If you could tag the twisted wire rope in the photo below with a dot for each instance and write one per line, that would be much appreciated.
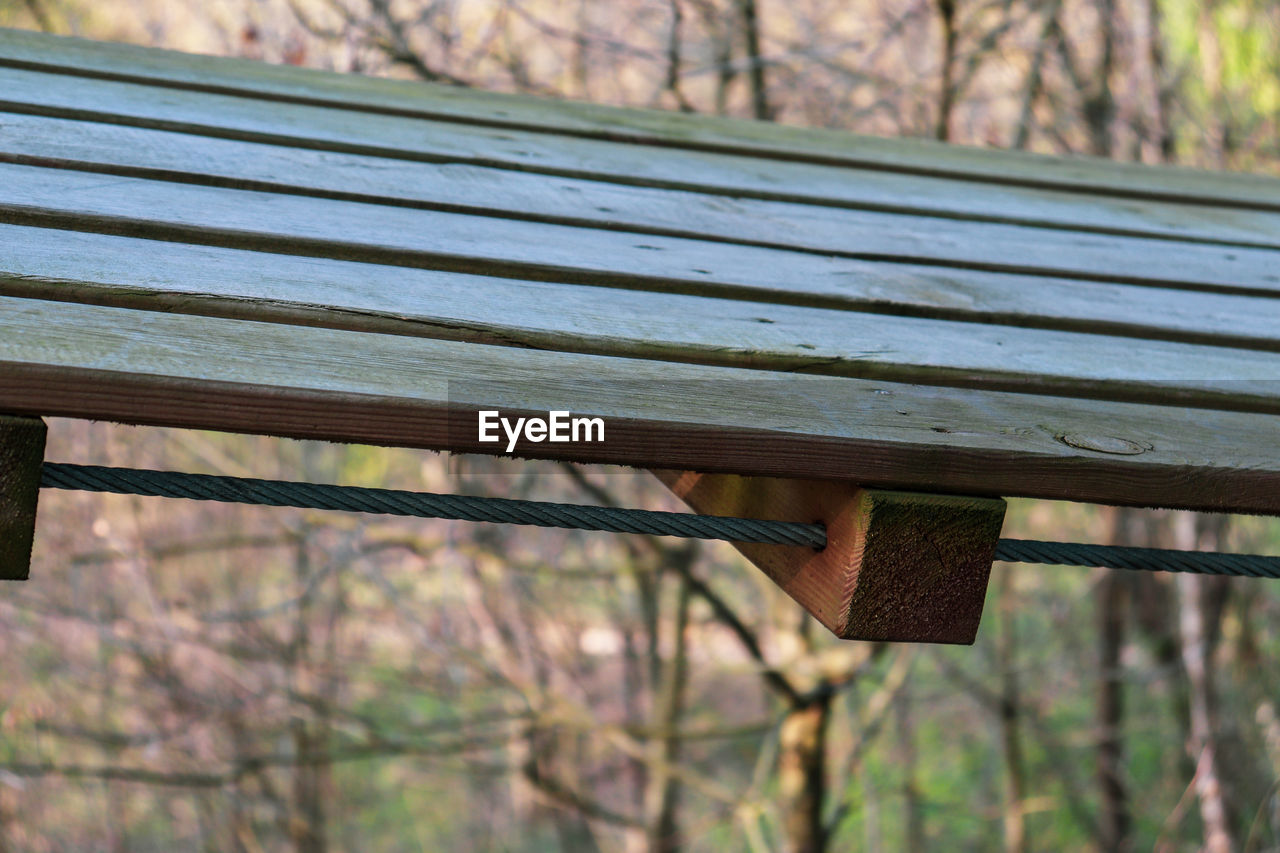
(173, 484)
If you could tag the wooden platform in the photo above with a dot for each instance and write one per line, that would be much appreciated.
(198, 242)
(212, 243)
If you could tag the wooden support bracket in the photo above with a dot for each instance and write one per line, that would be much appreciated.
(21, 457)
(898, 566)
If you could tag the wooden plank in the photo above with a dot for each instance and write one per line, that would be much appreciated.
(898, 567)
(210, 281)
(366, 95)
(110, 105)
(481, 244)
(589, 204)
(109, 262)
(63, 359)
(21, 457)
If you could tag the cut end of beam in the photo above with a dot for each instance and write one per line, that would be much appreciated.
(21, 456)
(898, 566)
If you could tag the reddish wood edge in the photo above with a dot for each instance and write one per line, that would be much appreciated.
(898, 566)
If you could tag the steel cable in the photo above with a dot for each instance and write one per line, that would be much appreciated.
(205, 487)
(173, 484)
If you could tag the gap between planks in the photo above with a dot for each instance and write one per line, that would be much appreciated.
(50, 96)
(416, 237)
(60, 55)
(895, 238)
(217, 282)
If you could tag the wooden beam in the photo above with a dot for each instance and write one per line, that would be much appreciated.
(59, 359)
(21, 456)
(898, 566)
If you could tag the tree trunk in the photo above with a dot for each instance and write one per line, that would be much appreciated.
(1100, 105)
(1217, 135)
(1154, 605)
(1112, 593)
(1202, 743)
(308, 825)
(759, 97)
(1162, 119)
(802, 774)
(913, 813)
(947, 95)
(1015, 836)
(310, 741)
(662, 798)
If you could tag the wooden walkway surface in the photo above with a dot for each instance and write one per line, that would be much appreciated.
(200, 242)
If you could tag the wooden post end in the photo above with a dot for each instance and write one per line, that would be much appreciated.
(898, 566)
(21, 457)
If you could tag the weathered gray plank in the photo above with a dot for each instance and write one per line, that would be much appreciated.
(106, 270)
(468, 243)
(178, 370)
(355, 93)
(185, 158)
(295, 127)
(722, 174)
(36, 256)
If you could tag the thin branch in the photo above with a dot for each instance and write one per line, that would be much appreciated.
(1052, 748)
(612, 44)
(396, 45)
(1035, 78)
(117, 774)
(562, 795)
(719, 607)
(246, 765)
(41, 17)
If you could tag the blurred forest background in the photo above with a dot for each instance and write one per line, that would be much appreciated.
(182, 676)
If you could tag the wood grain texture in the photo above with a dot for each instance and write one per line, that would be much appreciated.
(531, 249)
(898, 566)
(640, 210)
(116, 108)
(104, 270)
(184, 371)
(35, 256)
(367, 96)
(21, 457)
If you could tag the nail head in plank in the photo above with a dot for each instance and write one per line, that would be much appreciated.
(21, 457)
(898, 566)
